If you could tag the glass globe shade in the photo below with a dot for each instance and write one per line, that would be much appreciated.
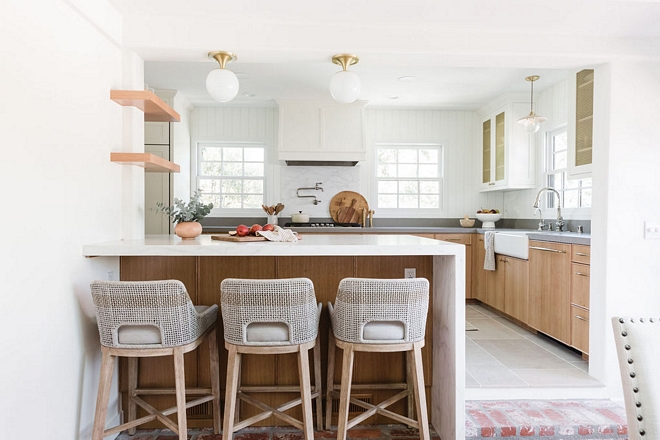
(222, 85)
(345, 86)
(532, 123)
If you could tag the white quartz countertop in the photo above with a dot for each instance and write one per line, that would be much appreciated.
(308, 245)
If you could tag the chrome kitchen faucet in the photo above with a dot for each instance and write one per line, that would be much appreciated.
(560, 219)
(316, 188)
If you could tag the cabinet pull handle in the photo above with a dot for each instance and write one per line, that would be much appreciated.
(451, 239)
(547, 249)
(580, 307)
(582, 254)
(582, 274)
(581, 318)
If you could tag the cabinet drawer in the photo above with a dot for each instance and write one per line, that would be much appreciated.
(455, 238)
(580, 284)
(580, 329)
(581, 253)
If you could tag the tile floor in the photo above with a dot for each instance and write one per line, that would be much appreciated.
(500, 354)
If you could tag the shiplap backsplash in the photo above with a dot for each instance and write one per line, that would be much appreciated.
(457, 131)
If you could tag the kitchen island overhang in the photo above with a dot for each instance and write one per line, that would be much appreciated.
(447, 273)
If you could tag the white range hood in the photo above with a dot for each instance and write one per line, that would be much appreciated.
(326, 133)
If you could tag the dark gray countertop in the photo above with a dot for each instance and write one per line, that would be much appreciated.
(558, 237)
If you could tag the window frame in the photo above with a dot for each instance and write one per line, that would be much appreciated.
(218, 211)
(415, 212)
(548, 203)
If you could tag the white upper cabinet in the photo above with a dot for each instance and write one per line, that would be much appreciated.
(580, 124)
(321, 131)
(508, 159)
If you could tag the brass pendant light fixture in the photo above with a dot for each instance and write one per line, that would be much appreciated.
(532, 122)
(222, 84)
(345, 85)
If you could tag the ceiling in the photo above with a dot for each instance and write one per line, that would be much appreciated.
(461, 54)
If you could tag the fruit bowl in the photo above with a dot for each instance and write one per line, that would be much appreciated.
(489, 220)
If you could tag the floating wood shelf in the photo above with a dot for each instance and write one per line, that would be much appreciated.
(154, 108)
(150, 162)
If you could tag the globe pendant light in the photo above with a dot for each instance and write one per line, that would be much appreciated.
(221, 83)
(344, 85)
(532, 122)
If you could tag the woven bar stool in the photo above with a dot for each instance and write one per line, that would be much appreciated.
(271, 317)
(146, 319)
(378, 315)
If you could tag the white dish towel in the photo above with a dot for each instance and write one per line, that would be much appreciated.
(279, 234)
(489, 244)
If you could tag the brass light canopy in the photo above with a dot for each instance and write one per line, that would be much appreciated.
(222, 84)
(532, 122)
(222, 57)
(345, 60)
(345, 85)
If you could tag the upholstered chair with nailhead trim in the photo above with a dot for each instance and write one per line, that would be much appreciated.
(637, 345)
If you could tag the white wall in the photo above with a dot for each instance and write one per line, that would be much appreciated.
(59, 191)
(625, 266)
(457, 131)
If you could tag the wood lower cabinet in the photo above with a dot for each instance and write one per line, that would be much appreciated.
(550, 289)
(465, 239)
(516, 288)
(481, 278)
(580, 288)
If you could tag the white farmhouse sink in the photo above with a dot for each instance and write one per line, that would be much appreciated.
(512, 243)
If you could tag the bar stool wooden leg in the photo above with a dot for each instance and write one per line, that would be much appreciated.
(180, 385)
(305, 393)
(420, 393)
(410, 384)
(330, 384)
(233, 369)
(132, 385)
(214, 361)
(345, 392)
(105, 381)
(317, 384)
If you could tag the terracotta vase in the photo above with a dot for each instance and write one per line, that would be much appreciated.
(188, 230)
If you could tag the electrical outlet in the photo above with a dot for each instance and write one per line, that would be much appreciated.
(409, 272)
(651, 230)
(111, 275)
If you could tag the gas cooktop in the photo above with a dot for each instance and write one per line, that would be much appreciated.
(322, 225)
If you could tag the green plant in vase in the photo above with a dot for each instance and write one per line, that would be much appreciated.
(186, 216)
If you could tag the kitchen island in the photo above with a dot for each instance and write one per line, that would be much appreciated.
(201, 264)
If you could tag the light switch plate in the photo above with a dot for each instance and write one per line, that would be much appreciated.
(409, 273)
(652, 230)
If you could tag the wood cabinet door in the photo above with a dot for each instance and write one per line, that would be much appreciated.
(580, 284)
(516, 284)
(549, 289)
(580, 329)
(495, 283)
(479, 285)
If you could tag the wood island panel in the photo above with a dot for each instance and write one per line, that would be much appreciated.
(202, 276)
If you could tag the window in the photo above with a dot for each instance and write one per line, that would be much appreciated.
(231, 176)
(409, 176)
(575, 193)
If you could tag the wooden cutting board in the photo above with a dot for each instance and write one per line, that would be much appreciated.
(237, 238)
(343, 210)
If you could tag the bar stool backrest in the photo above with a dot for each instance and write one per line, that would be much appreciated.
(160, 312)
(362, 301)
(289, 302)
